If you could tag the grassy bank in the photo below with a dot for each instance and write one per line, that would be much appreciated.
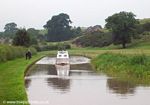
(12, 72)
(123, 65)
(93, 52)
(12, 79)
(12, 52)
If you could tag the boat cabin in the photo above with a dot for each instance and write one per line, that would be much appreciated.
(62, 54)
(62, 58)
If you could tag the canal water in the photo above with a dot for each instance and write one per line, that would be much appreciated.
(46, 85)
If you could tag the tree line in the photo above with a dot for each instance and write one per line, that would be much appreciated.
(123, 26)
(120, 28)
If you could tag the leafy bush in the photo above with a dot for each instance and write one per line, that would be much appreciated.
(94, 40)
(12, 52)
(22, 38)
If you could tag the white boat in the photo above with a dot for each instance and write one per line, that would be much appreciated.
(62, 58)
(62, 63)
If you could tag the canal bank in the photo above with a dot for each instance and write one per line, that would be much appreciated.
(124, 66)
(12, 80)
(12, 73)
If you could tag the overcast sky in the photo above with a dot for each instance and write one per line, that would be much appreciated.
(35, 13)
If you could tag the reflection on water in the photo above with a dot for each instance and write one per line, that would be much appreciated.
(121, 86)
(62, 70)
(27, 83)
(78, 85)
(59, 83)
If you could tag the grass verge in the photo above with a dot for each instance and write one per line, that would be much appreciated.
(123, 66)
(12, 80)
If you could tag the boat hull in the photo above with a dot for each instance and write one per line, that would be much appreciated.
(62, 61)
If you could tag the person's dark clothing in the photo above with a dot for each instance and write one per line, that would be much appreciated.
(28, 55)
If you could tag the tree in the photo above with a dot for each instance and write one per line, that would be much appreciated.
(33, 32)
(10, 29)
(1, 34)
(122, 25)
(22, 38)
(94, 29)
(76, 31)
(59, 28)
(146, 26)
(33, 35)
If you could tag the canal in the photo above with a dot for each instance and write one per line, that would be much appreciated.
(82, 86)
